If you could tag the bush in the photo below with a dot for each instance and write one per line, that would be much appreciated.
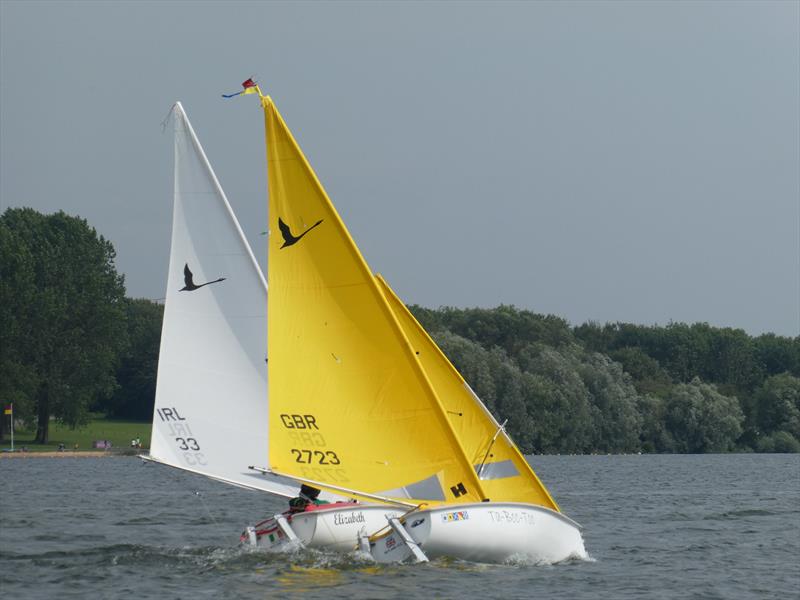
(779, 442)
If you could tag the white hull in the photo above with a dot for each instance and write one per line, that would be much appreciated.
(493, 532)
(334, 527)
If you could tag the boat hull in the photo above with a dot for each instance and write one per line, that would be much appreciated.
(334, 527)
(491, 532)
(486, 532)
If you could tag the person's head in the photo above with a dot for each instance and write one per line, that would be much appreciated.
(309, 492)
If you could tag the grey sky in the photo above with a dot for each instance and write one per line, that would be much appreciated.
(608, 161)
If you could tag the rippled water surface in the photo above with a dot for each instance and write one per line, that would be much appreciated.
(712, 526)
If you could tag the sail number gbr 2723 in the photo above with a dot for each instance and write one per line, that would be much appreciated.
(316, 457)
(304, 431)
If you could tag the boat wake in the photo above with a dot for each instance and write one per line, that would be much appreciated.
(735, 515)
(244, 572)
(245, 558)
(521, 560)
(301, 557)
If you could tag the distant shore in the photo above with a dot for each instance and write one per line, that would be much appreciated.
(65, 454)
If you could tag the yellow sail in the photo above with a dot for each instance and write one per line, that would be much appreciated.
(505, 474)
(350, 403)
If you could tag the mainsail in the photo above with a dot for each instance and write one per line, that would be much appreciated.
(360, 396)
(211, 395)
(350, 403)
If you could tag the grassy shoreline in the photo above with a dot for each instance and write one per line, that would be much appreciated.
(119, 433)
(70, 454)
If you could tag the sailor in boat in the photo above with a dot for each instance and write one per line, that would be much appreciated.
(308, 496)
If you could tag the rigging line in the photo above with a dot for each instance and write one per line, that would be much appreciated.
(200, 495)
(178, 479)
(489, 449)
(165, 122)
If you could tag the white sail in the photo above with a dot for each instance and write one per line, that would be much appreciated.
(211, 404)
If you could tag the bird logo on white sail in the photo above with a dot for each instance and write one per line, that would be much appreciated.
(188, 280)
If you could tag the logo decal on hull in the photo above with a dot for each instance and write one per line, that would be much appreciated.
(461, 515)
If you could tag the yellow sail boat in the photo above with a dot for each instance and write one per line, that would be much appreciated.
(364, 406)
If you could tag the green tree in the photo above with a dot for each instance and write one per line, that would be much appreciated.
(134, 397)
(596, 337)
(558, 399)
(700, 419)
(721, 355)
(620, 386)
(654, 434)
(778, 354)
(647, 375)
(74, 322)
(18, 381)
(780, 441)
(617, 423)
(733, 360)
(505, 326)
(778, 405)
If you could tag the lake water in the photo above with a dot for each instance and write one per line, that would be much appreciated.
(699, 526)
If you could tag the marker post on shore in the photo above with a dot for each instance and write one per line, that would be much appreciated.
(9, 410)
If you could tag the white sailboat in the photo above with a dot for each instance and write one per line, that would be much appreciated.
(355, 399)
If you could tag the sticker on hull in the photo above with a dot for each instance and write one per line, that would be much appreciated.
(461, 515)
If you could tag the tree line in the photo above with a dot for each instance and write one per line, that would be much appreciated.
(620, 387)
(73, 344)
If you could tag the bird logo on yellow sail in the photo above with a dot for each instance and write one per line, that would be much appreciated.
(289, 239)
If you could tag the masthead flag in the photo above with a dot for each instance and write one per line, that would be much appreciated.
(250, 87)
